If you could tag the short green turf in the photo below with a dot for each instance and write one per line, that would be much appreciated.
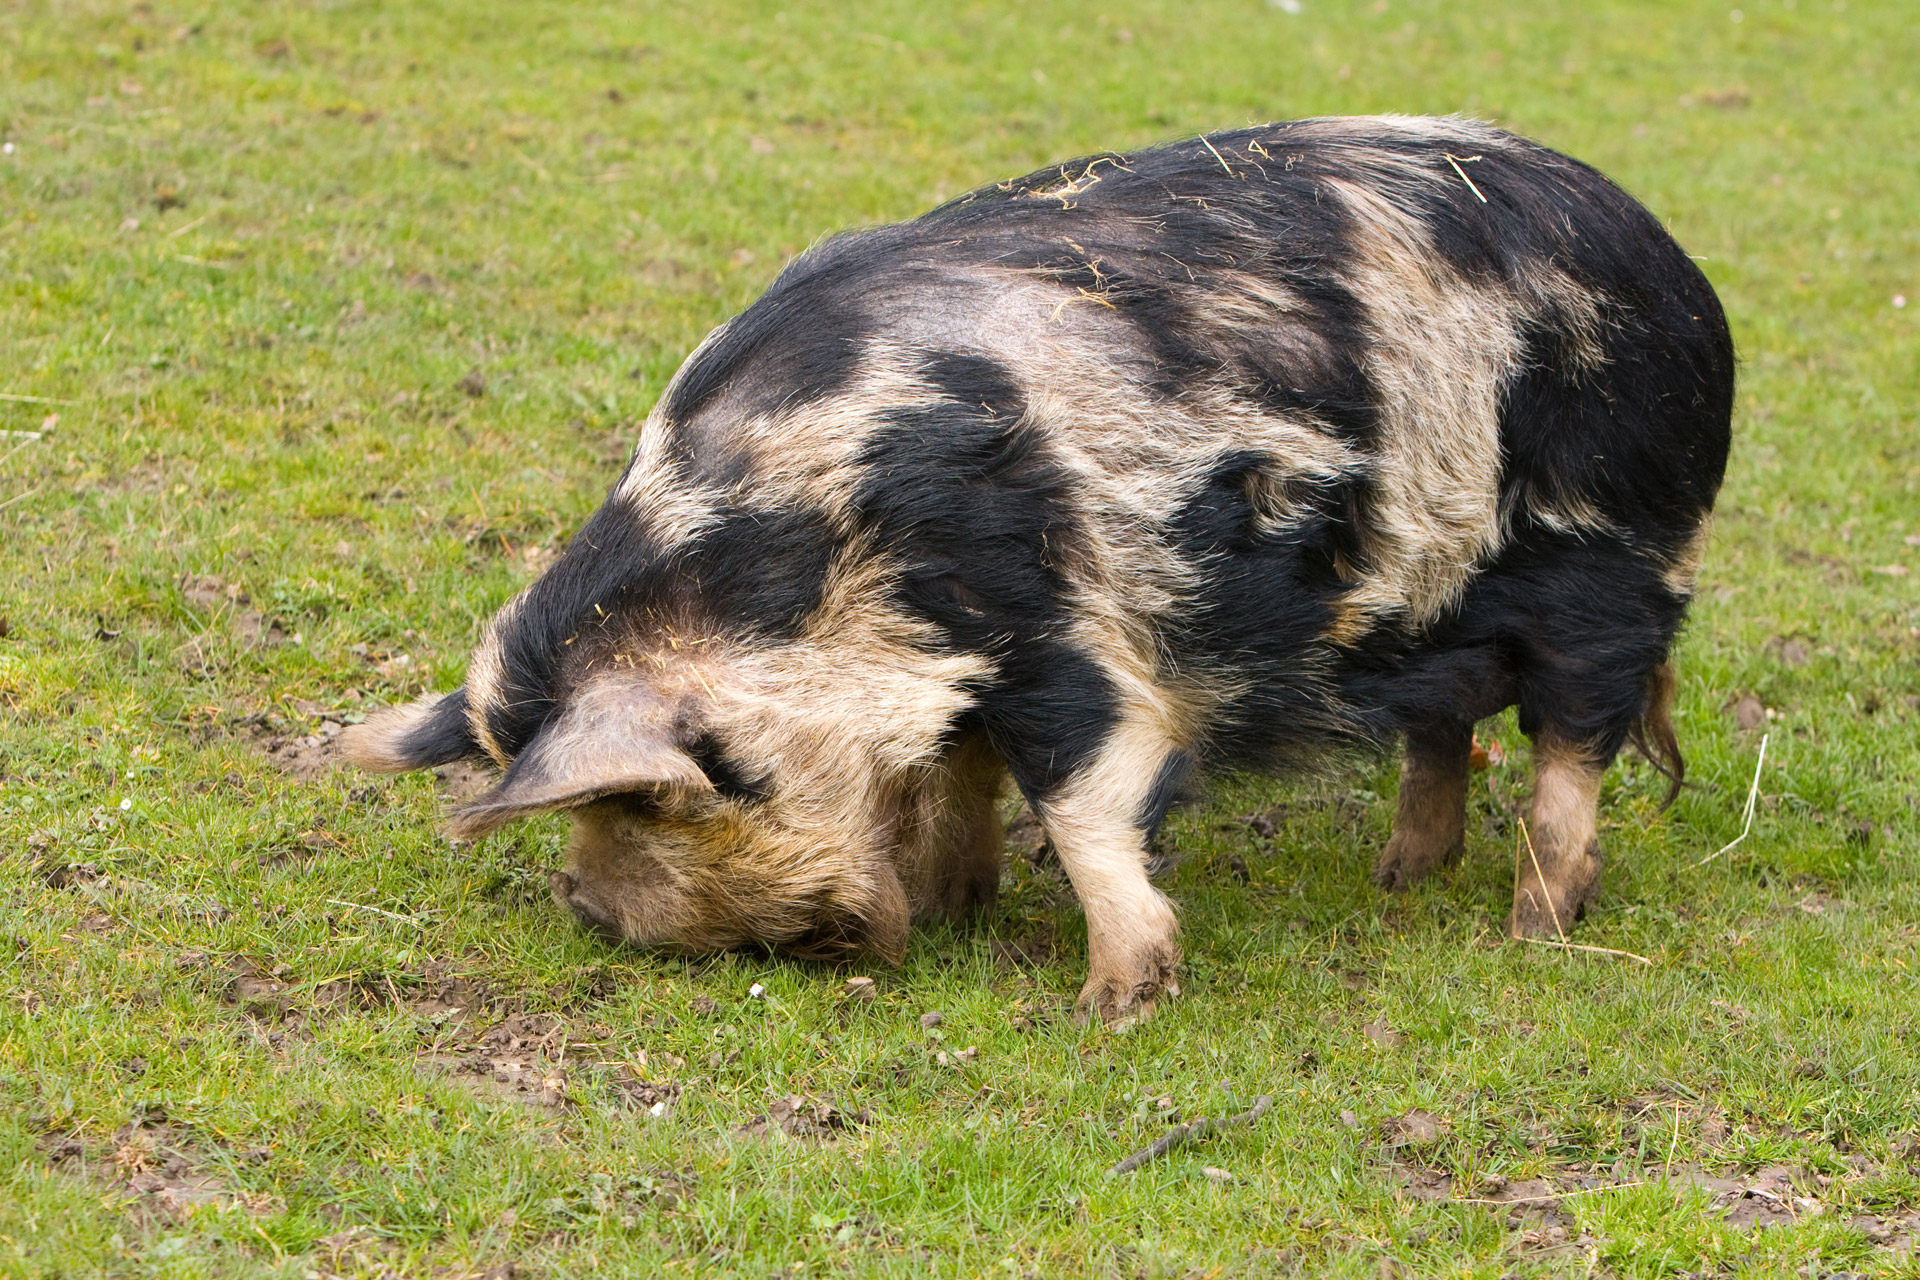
(320, 325)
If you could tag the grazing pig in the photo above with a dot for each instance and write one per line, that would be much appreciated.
(1225, 454)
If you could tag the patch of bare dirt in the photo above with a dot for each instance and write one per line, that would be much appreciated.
(117, 897)
(509, 1066)
(1026, 837)
(536, 1059)
(162, 1170)
(806, 1118)
(261, 631)
(1416, 1128)
(1034, 950)
(1385, 1037)
(1749, 713)
(462, 781)
(1350, 808)
(280, 1005)
(303, 750)
(655, 1097)
(1776, 1196)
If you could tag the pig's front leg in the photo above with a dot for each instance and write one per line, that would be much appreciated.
(1098, 822)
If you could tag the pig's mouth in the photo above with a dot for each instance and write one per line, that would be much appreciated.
(834, 933)
(566, 892)
(832, 937)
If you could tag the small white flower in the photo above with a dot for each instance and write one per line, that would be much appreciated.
(6, 149)
(755, 991)
(1899, 300)
(126, 803)
(657, 1109)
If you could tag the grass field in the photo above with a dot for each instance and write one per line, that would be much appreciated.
(322, 325)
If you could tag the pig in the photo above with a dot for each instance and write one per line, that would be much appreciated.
(1237, 453)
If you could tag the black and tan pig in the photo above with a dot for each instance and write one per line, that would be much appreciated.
(1220, 455)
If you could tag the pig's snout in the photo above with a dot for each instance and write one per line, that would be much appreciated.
(566, 892)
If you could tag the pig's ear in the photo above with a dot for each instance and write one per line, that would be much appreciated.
(420, 735)
(610, 739)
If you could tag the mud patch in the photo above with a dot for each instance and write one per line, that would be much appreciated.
(463, 781)
(271, 995)
(303, 749)
(162, 1171)
(1773, 1197)
(806, 1118)
(537, 1059)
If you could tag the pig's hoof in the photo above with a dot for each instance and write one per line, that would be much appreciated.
(1121, 995)
(1547, 910)
(1407, 860)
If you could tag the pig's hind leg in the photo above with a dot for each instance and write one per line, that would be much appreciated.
(1590, 675)
(1559, 856)
(1430, 825)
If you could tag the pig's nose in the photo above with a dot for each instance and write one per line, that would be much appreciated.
(562, 885)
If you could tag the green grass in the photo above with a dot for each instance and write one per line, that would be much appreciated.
(247, 256)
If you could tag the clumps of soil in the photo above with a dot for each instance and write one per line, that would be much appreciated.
(462, 781)
(270, 996)
(1776, 1196)
(303, 749)
(1416, 1128)
(806, 1118)
(1350, 808)
(222, 607)
(162, 1169)
(477, 1039)
(521, 1059)
(655, 1097)
(536, 1060)
(1026, 837)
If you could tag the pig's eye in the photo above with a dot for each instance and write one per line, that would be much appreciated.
(728, 778)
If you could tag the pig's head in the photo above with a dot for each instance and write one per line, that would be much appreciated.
(721, 795)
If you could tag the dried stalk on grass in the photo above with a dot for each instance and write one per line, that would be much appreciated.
(1189, 1132)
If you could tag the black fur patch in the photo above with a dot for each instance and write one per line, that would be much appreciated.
(964, 494)
(727, 778)
(799, 343)
(1167, 785)
(1266, 596)
(1048, 714)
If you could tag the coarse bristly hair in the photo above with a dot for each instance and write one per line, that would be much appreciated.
(1228, 453)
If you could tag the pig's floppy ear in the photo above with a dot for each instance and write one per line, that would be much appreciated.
(420, 735)
(610, 738)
